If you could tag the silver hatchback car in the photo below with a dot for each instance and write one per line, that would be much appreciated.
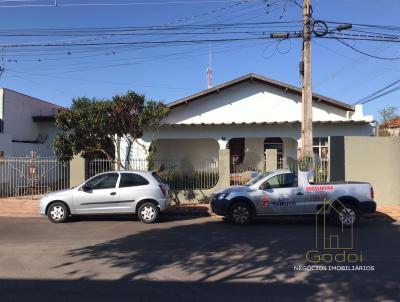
(119, 192)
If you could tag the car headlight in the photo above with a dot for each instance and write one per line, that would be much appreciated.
(222, 196)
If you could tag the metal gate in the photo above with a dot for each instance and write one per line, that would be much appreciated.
(32, 175)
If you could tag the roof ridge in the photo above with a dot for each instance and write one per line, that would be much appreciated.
(265, 80)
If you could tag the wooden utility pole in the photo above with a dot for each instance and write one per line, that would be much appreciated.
(306, 112)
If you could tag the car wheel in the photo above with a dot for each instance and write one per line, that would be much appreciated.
(148, 212)
(347, 216)
(240, 213)
(58, 212)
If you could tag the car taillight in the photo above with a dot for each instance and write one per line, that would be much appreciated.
(163, 190)
(372, 192)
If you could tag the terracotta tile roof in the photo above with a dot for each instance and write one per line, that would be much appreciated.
(393, 123)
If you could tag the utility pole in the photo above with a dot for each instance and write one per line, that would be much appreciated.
(306, 146)
(306, 98)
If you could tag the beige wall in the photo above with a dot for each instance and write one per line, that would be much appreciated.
(77, 171)
(375, 160)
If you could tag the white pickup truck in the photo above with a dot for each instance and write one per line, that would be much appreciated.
(285, 193)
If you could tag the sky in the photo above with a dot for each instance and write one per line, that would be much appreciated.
(171, 72)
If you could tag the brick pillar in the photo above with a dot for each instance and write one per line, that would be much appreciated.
(271, 163)
(224, 168)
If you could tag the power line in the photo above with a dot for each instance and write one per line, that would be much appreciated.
(382, 95)
(377, 93)
(363, 52)
(122, 4)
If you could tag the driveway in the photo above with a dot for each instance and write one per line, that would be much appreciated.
(198, 259)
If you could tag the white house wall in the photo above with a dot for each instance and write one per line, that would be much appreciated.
(6, 144)
(250, 102)
(18, 110)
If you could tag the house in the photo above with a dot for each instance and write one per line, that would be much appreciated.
(390, 128)
(26, 124)
(243, 118)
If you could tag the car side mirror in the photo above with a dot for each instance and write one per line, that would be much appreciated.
(86, 188)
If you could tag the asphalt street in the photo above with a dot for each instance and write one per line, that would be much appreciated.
(188, 259)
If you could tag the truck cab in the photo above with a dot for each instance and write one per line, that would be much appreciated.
(284, 192)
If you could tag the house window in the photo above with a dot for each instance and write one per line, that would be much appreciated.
(321, 150)
(236, 150)
(277, 144)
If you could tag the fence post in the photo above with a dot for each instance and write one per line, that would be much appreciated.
(224, 168)
(271, 162)
(77, 172)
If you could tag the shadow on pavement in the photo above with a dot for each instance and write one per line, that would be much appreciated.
(215, 261)
(164, 217)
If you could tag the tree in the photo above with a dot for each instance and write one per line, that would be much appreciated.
(95, 127)
(131, 116)
(84, 128)
(388, 113)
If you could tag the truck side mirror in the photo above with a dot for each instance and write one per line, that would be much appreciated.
(265, 186)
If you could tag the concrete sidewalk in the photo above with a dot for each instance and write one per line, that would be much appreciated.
(10, 207)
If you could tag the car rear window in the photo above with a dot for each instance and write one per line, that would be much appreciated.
(132, 180)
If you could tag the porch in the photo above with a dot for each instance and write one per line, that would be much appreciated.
(244, 156)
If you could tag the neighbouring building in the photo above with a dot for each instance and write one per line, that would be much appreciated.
(390, 128)
(26, 124)
(245, 117)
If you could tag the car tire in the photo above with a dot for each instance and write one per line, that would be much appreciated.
(58, 212)
(240, 213)
(148, 212)
(347, 216)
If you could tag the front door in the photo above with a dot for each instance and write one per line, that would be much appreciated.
(281, 195)
(98, 195)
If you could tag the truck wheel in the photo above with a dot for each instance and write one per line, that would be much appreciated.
(58, 212)
(347, 216)
(148, 212)
(240, 213)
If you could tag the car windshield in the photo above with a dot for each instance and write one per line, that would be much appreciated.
(257, 178)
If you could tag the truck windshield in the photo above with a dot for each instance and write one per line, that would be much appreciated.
(257, 178)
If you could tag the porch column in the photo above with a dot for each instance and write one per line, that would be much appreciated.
(223, 164)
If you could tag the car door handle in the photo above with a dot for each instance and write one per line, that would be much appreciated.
(113, 193)
(299, 193)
